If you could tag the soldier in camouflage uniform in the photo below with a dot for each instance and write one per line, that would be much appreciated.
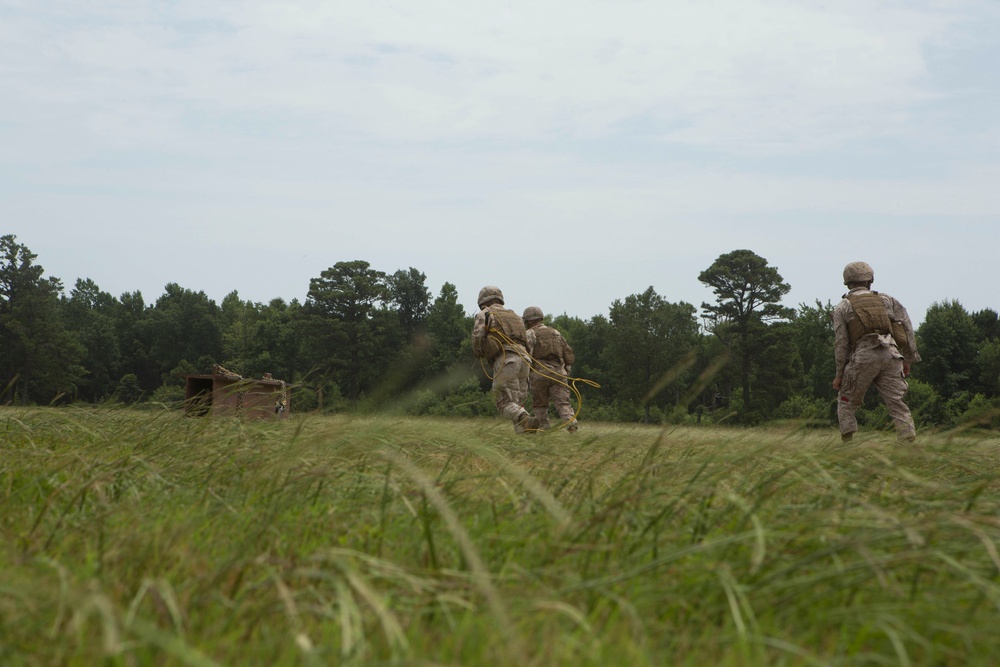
(500, 339)
(553, 358)
(874, 344)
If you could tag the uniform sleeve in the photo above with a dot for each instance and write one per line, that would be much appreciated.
(568, 356)
(841, 340)
(531, 339)
(899, 314)
(479, 333)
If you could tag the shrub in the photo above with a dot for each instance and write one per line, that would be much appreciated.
(982, 411)
(169, 395)
(803, 407)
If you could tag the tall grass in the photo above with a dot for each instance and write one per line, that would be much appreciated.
(137, 538)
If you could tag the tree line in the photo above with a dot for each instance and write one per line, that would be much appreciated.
(368, 340)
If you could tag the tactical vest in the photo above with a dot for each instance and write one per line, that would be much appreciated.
(870, 316)
(548, 344)
(508, 323)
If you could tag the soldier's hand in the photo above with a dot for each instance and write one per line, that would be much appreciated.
(836, 383)
(906, 369)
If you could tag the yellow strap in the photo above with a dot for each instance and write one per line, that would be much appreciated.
(546, 372)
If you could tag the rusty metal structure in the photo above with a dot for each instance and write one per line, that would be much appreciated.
(227, 394)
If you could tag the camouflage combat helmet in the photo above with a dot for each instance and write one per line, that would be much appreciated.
(858, 272)
(532, 313)
(489, 293)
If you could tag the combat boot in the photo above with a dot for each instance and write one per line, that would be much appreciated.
(527, 423)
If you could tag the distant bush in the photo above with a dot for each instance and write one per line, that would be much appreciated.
(170, 395)
(467, 400)
(805, 408)
(981, 411)
(128, 390)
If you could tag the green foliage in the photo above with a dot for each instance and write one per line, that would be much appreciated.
(253, 341)
(987, 323)
(813, 338)
(650, 350)
(182, 325)
(981, 412)
(467, 400)
(776, 369)
(128, 390)
(807, 409)
(748, 293)
(367, 342)
(175, 377)
(320, 394)
(449, 329)
(342, 304)
(134, 335)
(168, 395)
(409, 297)
(746, 289)
(39, 357)
(90, 316)
(348, 291)
(305, 398)
(988, 367)
(948, 340)
(931, 411)
(926, 405)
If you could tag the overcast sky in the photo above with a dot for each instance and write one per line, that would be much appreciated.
(570, 152)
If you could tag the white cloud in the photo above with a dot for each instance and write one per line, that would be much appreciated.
(725, 74)
(615, 133)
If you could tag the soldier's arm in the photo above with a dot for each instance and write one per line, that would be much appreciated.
(568, 356)
(899, 314)
(841, 345)
(479, 332)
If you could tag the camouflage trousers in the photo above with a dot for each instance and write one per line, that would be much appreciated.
(510, 387)
(880, 368)
(546, 388)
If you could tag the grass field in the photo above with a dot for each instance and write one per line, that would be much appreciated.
(147, 538)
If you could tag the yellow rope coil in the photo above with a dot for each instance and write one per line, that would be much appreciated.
(546, 372)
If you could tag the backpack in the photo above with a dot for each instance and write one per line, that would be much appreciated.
(871, 316)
